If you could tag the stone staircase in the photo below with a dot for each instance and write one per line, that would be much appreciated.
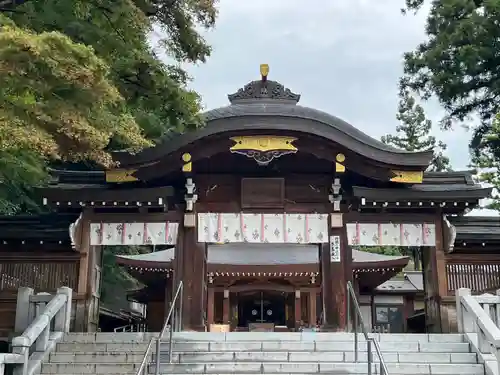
(263, 353)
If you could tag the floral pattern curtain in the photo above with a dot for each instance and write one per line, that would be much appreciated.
(391, 234)
(133, 233)
(262, 228)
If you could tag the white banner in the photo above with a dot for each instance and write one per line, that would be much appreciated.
(262, 228)
(133, 233)
(391, 234)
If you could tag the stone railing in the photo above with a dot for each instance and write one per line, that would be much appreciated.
(478, 317)
(43, 319)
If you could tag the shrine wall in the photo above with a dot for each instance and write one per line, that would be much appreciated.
(476, 270)
(44, 272)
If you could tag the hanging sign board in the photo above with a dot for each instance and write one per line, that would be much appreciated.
(335, 249)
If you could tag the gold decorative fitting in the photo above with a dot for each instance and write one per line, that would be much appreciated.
(263, 149)
(264, 70)
(121, 175)
(188, 165)
(339, 168)
(407, 177)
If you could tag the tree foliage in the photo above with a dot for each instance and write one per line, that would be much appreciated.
(486, 158)
(78, 79)
(458, 64)
(458, 61)
(413, 133)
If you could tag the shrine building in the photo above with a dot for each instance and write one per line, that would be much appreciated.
(263, 214)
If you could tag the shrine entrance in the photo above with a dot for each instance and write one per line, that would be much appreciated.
(266, 192)
(262, 307)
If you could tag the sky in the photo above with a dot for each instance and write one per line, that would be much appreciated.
(343, 56)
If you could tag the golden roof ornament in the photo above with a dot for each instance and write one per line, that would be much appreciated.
(264, 90)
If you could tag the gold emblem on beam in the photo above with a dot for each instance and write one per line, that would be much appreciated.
(263, 149)
(187, 165)
(121, 175)
(408, 177)
(339, 166)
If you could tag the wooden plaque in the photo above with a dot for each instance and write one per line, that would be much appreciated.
(262, 192)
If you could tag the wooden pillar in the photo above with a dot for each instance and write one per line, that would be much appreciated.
(439, 277)
(210, 306)
(312, 307)
(83, 292)
(225, 308)
(335, 274)
(190, 263)
(297, 308)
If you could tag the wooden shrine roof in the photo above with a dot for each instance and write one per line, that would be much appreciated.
(437, 188)
(476, 228)
(227, 260)
(412, 282)
(370, 269)
(37, 229)
(266, 105)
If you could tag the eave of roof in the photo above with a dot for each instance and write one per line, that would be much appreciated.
(280, 116)
(163, 259)
(424, 191)
(103, 193)
(44, 227)
(476, 229)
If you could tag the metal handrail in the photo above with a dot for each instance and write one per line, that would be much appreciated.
(358, 318)
(175, 323)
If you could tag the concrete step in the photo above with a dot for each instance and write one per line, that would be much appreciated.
(101, 347)
(200, 357)
(310, 336)
(96, 357)
(110, 337)
(313, 368)
(407, 347)
(347, 356)
(270, 368)
(90, 368)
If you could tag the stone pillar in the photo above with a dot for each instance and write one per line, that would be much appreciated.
(312, 307)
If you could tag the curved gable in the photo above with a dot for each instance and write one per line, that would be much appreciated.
(268, 106)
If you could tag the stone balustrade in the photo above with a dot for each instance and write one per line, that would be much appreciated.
(478, 317)
(43, 319)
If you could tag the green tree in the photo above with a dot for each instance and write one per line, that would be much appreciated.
(485, 147)
(78, 79)
(458, 63)
(413, 133)
(57, 101)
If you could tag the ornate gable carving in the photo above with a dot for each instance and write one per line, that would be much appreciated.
(262, 90)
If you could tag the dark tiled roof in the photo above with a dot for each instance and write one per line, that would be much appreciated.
(424, 192)
(476, 228)
(273, 254)
(45, 227)
(262, 110)
(413, 281)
